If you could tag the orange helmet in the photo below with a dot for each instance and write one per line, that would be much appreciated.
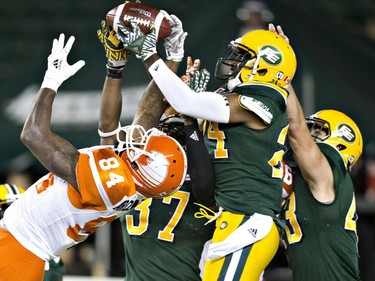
(156, 161)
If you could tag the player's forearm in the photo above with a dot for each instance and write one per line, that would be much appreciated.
(200, 166)
(296, 119)
(110, 109)
(172, 65)
(38, 121)
(205, 105)
(152, 106)
(307, 154)
(54, 153)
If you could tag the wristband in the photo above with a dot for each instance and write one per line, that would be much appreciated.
(114, 72)
(109, 134)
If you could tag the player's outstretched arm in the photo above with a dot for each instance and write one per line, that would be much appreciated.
(152, 105)
(313, 164)
(111, 100)
(200, 165)
(178, 94)
(55, 153)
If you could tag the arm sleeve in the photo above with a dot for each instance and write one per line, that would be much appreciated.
(200, 166)
(206, 105)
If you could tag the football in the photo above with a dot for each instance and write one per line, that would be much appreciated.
(144, 15)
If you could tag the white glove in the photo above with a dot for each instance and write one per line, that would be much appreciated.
(174, 43)
(58, 68)
(144, 46)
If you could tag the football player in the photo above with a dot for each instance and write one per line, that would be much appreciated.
(245, 130)
(85, 189)
(321, 213)
(159, 231)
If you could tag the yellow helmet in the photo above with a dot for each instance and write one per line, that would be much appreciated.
(8, 194)
(259, 55)
(342, 133)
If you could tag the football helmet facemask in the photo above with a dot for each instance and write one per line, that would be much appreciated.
(173, 126)
(8, 194)
(340, 131)
(156, 161)
(259, 55)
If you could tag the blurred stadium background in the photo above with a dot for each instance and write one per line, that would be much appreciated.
(334, 42)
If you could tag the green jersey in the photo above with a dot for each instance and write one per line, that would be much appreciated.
(321, 239)
(163, 240)
(247, 162)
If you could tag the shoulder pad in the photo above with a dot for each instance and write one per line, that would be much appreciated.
(257, 107)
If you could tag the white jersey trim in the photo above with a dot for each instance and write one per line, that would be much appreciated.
(98, 182)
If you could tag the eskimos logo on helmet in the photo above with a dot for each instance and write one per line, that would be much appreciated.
(271, 55)
(346, 132)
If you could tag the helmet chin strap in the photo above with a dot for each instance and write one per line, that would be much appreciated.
(233, 83)
(255, 66)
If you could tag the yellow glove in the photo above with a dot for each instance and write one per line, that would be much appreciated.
(115, 52)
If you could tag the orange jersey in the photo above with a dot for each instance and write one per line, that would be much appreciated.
(52, 216)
